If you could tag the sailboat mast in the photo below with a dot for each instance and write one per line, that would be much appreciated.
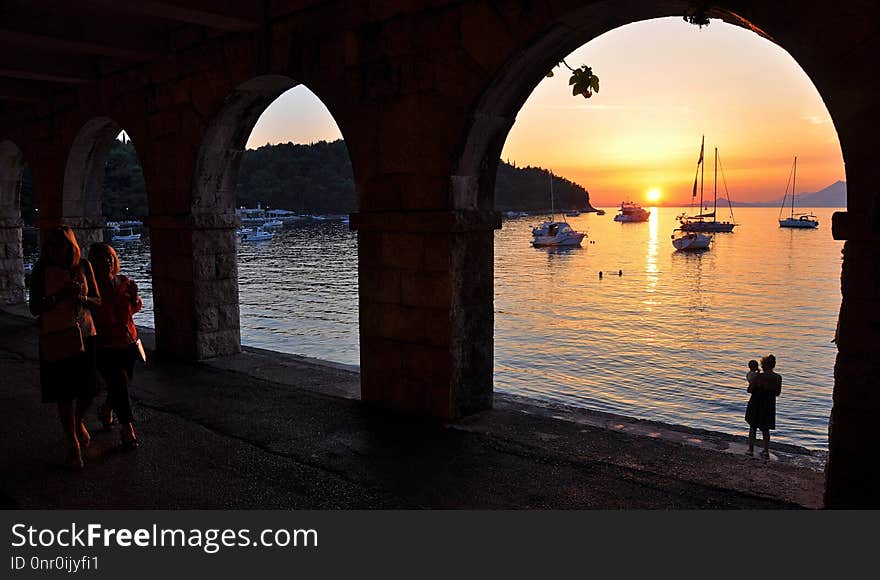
(715, 194)
(702, 171)
(793, 185)
(552, 208)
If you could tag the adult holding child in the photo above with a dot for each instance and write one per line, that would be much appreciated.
(117, 338)
(761, 409)
(62, 292)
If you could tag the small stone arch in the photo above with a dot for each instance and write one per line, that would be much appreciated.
(84, 179)
(11, 256)
(221, 150)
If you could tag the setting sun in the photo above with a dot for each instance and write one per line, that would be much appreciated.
(654, 194)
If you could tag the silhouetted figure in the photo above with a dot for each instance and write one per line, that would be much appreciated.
(63, 289)
(761, 410)
(117, 339)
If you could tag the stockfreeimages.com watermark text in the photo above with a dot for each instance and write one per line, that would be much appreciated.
(210, 540)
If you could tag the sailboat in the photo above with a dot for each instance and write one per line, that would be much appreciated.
(693, 240)
(554, 233)
(701, 222)
(795, 220)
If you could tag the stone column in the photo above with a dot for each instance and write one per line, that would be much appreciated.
(87, 231)
(11, 262)
(426, 309)
(853, 470)
(195, 285)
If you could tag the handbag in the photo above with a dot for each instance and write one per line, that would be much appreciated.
(62, 344)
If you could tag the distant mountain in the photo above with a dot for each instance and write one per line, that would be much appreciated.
(832, 196)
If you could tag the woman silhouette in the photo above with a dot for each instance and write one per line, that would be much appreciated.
(761, 410)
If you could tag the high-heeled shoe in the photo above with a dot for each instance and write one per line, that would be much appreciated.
(129, 440)
(74, 459)
(82, 435)
(105, 415)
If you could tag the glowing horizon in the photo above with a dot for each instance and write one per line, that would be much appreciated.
(642, 131)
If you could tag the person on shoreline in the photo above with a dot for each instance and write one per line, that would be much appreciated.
(761, 409)
(117, 339)
(63, 289)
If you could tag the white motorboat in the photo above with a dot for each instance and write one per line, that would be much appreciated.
(260, 235)
(554, 233)
(795, 220)
(243, 230)
(125, 236)
(273, 224)
(702, 222)
(631, 212)
(689, 241)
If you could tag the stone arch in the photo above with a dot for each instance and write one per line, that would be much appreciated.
(224, 143)
(492, 117)
(84, 179)
(11, 264)
(853, 458)
(212, 212)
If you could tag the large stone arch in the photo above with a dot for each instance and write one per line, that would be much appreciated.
(84, 179)
(853, 470)
(11, 258)
(212, 212)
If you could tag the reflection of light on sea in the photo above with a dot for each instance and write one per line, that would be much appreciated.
(651, 253)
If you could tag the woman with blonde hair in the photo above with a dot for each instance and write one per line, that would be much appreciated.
(117, 338)
(63, 289)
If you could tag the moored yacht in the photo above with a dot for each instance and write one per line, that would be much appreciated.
(632, 212)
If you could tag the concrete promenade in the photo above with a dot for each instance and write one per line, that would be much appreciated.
(271, 431)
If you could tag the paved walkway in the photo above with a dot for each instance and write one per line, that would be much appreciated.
(264, 430)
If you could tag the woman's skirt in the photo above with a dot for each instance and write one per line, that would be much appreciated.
(71, 378)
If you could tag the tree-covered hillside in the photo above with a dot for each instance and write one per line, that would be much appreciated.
(318, 178)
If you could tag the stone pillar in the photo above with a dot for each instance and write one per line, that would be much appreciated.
(195, 285)
(87, 231)
(853, 470)
(426, 309)
(11, 262)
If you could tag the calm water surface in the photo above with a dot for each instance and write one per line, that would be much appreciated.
(668, 340)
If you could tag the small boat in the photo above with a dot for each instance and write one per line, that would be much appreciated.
(600, 212)
(273, 224)
(701, 222)
(572, 213)
(243, 230)
(28, 267)
(631, 212)
(795, 220)
(126, 236)
(689, 241)
(260, 235)
(553, 233)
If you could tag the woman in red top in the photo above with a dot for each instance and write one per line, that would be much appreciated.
(117, 335)
(62, 291)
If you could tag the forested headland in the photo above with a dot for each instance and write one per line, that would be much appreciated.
(315, 178)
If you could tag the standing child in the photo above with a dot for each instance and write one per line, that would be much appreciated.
(752, 375)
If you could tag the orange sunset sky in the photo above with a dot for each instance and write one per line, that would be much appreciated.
(664, 84)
